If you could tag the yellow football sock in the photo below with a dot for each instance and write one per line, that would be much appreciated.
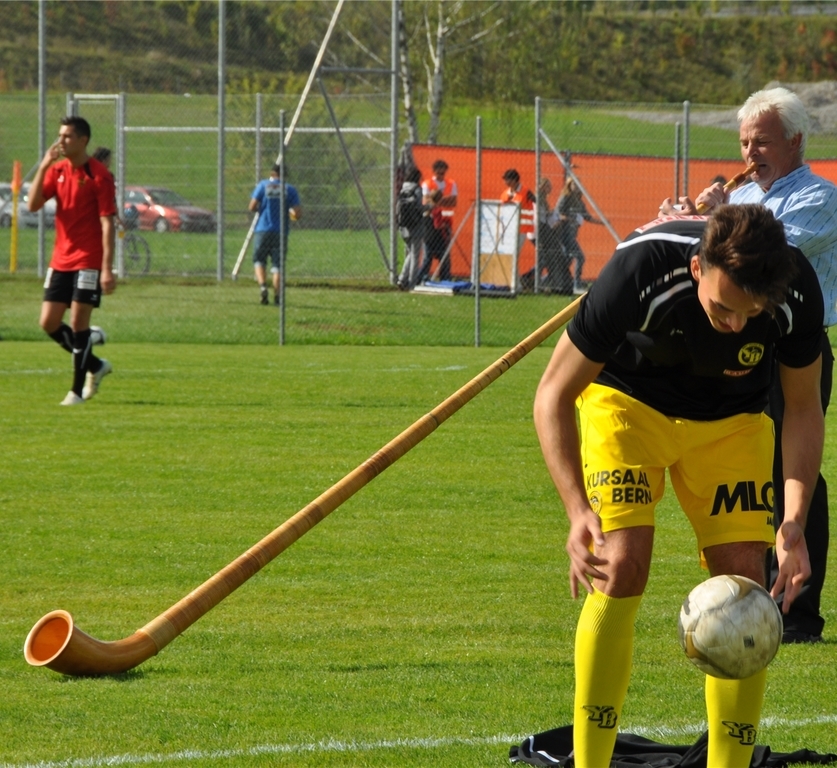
(733, 708)
(604, 642)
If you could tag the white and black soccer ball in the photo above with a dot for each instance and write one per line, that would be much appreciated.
(730, 627)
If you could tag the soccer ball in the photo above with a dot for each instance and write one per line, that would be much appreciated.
(730, 627)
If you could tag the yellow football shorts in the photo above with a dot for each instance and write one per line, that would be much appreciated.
(721, 471)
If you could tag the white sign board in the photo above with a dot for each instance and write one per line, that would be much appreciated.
(499, 226)
(499, 243)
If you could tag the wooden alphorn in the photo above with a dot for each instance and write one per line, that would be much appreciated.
(55, 642)
(732, 183)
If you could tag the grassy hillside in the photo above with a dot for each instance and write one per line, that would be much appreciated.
(510, 52)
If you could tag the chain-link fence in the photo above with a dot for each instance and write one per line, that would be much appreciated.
(344, 253)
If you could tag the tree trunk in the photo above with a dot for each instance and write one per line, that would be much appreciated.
(435, 79)
(406, 77)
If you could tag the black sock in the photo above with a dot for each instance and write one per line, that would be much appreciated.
(63, 337)
(83, 359)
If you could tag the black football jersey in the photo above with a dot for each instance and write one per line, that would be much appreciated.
(643, 319)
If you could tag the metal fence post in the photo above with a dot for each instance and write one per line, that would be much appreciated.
(283, 232)
(475, 257)
(258, 149)
(676, 159)
(222, 72)
(393, 141)
(539, 203)
(42, 143)
(686, 106)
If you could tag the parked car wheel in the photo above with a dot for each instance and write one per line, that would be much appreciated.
(161, 225)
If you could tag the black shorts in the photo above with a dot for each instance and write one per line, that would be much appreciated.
(82, 286)
(266, 246)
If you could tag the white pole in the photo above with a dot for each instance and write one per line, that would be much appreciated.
(294, 120)
(313, 73)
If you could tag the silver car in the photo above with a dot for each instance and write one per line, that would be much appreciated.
(25, 217)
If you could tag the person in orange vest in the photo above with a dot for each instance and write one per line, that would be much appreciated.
(439, 194)
(516, 193)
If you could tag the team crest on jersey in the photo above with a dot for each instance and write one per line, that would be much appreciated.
(751, 354)
(596, 502)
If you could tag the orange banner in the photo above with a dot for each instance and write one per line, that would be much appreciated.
(627, 190)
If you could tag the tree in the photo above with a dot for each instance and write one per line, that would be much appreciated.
(454, 34)
(406, 76)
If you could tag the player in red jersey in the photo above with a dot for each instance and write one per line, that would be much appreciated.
(81, 269)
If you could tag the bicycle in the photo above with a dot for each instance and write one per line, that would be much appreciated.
(136, 255)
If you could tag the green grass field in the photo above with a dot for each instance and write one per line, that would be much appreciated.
(426, 622)
(317, 254)
(204, 311)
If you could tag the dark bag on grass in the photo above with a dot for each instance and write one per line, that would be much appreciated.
(553, 748)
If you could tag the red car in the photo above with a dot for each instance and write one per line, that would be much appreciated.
(162, 210)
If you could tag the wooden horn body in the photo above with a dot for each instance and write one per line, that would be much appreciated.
(56, 643)
(733, 183)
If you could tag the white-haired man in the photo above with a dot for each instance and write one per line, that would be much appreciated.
(773, 129)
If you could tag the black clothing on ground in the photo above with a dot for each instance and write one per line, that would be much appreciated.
(553, 748)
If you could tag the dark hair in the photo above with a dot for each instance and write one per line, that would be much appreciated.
(78, 124)
(511, 175)
(440, 165)
(414, 175)
(748, 243)
(102, 154)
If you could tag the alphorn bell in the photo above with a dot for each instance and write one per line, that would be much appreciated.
(57, 643)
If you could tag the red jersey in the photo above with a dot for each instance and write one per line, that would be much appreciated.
(82, 196)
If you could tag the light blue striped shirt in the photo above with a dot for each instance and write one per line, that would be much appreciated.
(807, 205)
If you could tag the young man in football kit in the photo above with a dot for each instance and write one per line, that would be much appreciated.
(82, 259)
(669, 363)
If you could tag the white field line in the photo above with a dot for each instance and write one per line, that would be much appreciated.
(351, 746)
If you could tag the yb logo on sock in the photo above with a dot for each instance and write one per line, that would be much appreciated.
(606, 716)
(744, 732)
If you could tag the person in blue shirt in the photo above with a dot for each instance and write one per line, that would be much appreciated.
(267, 237)
(773, 129)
